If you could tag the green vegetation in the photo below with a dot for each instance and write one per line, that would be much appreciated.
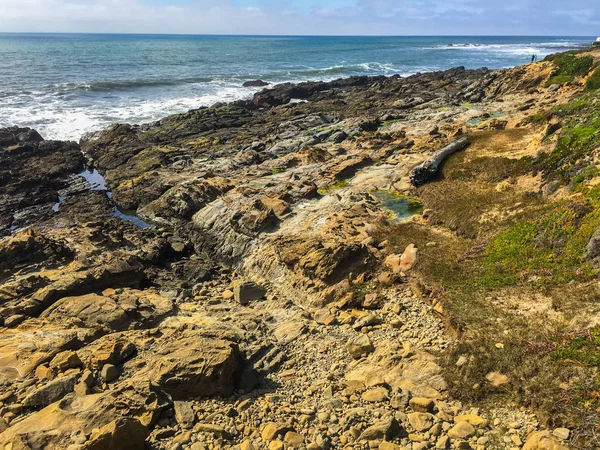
(569, 66)
(570, 160)
(340, 184)
(511, 253)
(593, 82)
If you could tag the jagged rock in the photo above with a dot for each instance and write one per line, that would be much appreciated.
(184, 414)
(196, 366)
(51, 392)
(64, 361)
(125, 433)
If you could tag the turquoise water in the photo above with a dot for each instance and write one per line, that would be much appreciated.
(400, 208)
(69, 84)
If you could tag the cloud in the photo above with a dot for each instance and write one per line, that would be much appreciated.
(542, 17)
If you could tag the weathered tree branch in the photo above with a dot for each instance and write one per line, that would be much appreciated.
(428, 169)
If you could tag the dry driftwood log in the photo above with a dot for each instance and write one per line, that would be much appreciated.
(428, 169)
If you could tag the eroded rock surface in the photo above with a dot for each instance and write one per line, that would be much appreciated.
(260, 310)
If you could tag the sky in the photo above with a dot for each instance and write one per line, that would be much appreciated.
(305, 17)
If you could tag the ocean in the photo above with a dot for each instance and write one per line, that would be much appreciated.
(65, 85)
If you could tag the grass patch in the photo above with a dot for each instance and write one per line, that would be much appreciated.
(593, 82)
(568, 66)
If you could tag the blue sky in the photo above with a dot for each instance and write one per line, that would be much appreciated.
(323, 17)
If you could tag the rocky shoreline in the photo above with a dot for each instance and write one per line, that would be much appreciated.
(270, 304)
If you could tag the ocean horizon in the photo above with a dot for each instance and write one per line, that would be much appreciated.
(77, 83)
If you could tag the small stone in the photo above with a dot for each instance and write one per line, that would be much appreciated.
(421, 421)
(272, 430)
(562, 433)
(385, 445)
(227, 294)
(184, 414)
(276, 445)
(359, 345)
(496, 379)
(371, 301)
(462, 430)
(473, 419)
(422, 404)
(247, 445)
(109, 373)
(375, 395)
(294, 440)
(44, 373)
(442, 443)
(324, 317)
(183, 438)
(383, 430)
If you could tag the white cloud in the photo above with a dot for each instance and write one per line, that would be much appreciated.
(356, 17)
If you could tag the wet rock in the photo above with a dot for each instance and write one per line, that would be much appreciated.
(255, 83)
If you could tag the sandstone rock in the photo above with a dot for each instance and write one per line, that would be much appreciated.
(44, 373)
(196, 366)
(109, 373)
(462, 430)
(65, 361)
(473, 419)
(294, 440)
(122, 434)
(371, 301)
(184, 414)
(388, 429)
(561, 433)
(543, 440)
(421, 404)
(51, 392)
(324, 317)
(408, 258)
(359, 345)
(272, 430)
(421, 421)
(247, 292)
(376, 395)
(385, 445)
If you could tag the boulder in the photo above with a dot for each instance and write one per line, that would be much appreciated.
(189, 364)
(255, 83)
